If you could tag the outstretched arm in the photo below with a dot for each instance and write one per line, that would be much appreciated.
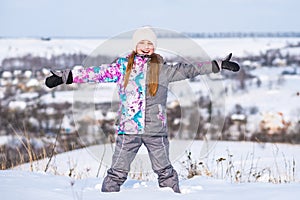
(95, 74)
(181, 71)
(98, 74)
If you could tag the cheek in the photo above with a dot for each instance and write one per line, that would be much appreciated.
(151, 51)
(138, 50)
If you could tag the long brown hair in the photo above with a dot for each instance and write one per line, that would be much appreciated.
(153, 74)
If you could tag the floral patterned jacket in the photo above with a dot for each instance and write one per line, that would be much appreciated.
(141, 113)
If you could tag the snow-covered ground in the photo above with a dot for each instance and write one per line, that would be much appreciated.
(277, 159)
(36, 186)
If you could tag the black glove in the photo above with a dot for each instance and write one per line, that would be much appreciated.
(58, 78)
(225, 64)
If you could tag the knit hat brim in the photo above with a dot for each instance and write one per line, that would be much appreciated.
(144, 33)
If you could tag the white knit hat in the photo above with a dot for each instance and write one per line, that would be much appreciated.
(145, 33)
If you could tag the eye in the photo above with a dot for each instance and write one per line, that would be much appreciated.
(149, 43)
(145, 43)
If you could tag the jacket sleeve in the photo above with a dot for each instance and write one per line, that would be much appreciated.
(181, 71)
(100, 74)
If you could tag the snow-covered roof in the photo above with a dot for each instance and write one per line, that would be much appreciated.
(32, 82)
(6, 74)
(239, 117)
(17, 105)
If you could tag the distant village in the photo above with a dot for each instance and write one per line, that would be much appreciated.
(29, 120)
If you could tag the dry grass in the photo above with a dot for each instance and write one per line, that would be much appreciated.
(242, 170)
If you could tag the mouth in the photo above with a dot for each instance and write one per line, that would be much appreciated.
(145, 51)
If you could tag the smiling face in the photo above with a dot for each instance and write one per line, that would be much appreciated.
(145, 47)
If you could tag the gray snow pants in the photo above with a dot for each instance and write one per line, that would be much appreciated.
(126, 149)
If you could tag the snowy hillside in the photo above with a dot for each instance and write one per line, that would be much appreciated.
(21, 185)
(217, 47)
(272, 160)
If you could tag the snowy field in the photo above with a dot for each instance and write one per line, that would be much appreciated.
(276, 160)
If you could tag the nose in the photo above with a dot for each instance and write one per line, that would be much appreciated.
(147, 46)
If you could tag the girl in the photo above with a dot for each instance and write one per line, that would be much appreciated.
(142, 78)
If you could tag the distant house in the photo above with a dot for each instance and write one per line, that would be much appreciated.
(17, 105)
(289, 71)
(274, 123)
(279, 62)
(67, 125)
(7, 75)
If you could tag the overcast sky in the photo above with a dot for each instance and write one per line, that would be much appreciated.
(99, 18)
